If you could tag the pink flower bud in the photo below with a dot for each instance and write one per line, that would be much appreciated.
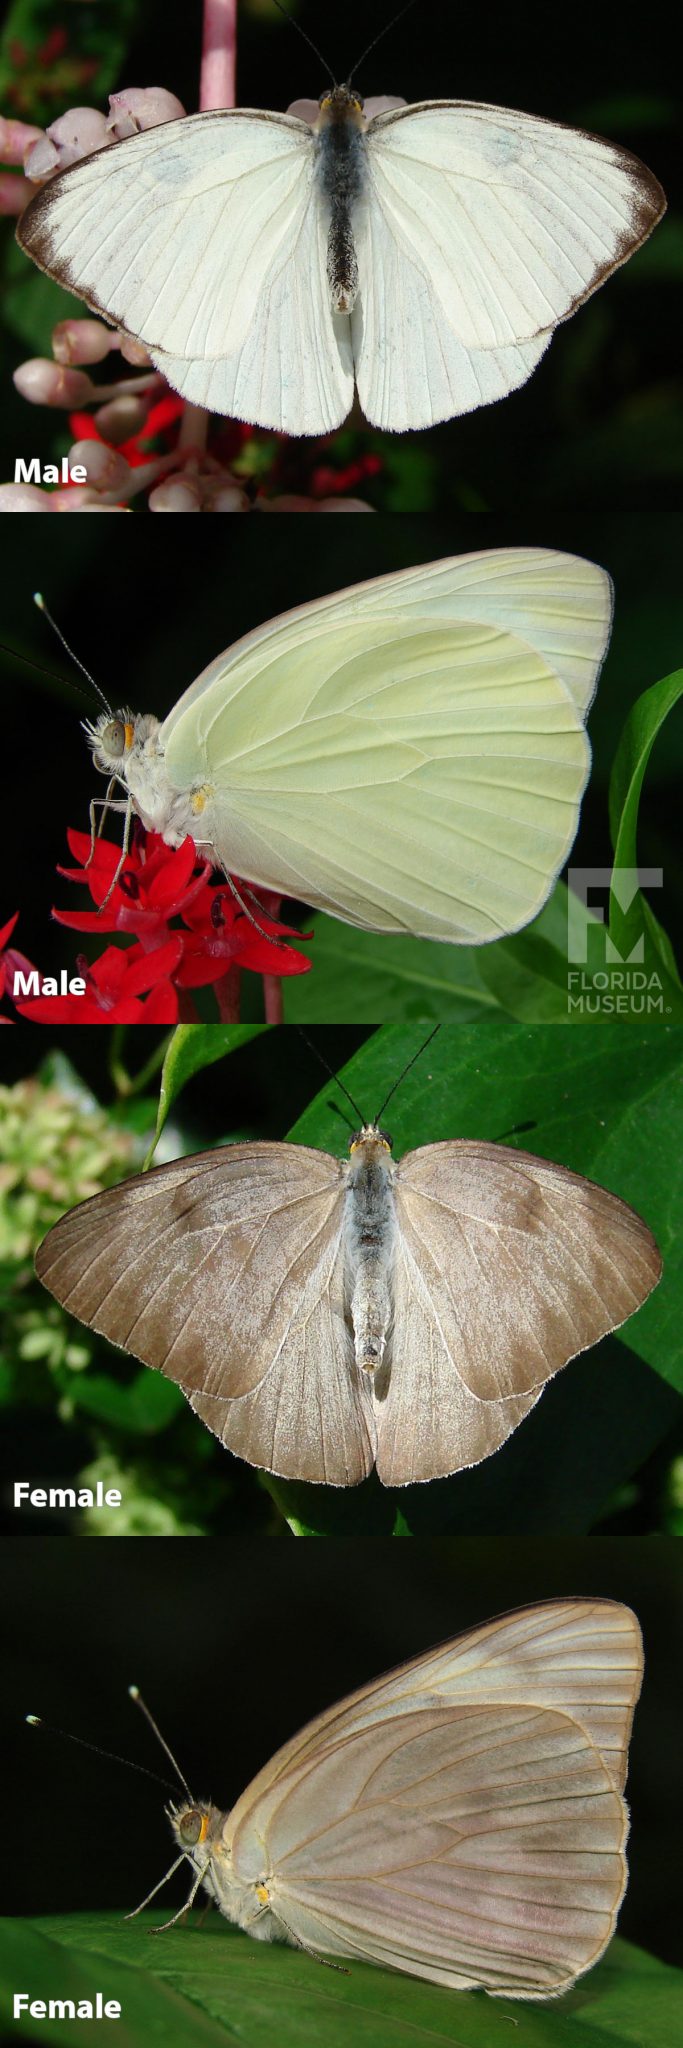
(82, 341)
(221, 495)
(84, 501)
(176, 494)
(305, 110)
(133, 351)
(104, 469)
(42, 159)
(343, 505)
(24, 498)
(382, 104)
(74, 135)
(141, 107)
(15, 138)
(46, 383)
(121, 419)
(80, 498)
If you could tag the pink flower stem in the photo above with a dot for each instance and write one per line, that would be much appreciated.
(187, 1008)
(273, 1001)
(227, 994)
(219, 54)
(194, 428)
(216, 89)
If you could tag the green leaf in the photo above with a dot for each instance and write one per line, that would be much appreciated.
(192, 1047)
(57, 1960)
(219, 1985)
(528, 974)
(360, 976)
(33, 305)
(148, 1404)
(643, 725)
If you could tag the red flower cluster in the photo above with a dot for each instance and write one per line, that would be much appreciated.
(47, 74)
(160, 424)
(144, 982)
(327, 482)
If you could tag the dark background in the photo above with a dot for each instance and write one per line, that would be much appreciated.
(599, 424)
(147, 620)
(233, 1656)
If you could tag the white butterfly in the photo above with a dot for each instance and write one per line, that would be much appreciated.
(460, 1819)
(408, 754)
(428, 252)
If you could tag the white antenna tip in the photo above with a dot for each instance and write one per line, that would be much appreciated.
(133, 1692)
(34, 1720)
(39, 600)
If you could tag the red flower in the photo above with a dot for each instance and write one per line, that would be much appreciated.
(115, 985)
(327, 482)
(144, 982)
(6, 931)
(158, 883)
(161, 418)
(11, 962)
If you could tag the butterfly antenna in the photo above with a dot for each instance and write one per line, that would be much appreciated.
(330, 1070)
(307, 39)
(42, 607)
(38, 666)
(406, 1070)
(380, 37)
(36, 1721)
(135, 1695)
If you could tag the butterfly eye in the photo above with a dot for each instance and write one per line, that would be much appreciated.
(113, 739)
(192, 1826)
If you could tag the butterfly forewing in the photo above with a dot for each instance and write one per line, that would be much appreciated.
(460, 1819)
(202, 237)
(579, 1657)
(528, 218)
(224, 1271)
(558, 604)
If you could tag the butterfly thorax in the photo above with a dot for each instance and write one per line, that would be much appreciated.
(204, 1834)
(369, 1238)
(129, 747)
(339, 132)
